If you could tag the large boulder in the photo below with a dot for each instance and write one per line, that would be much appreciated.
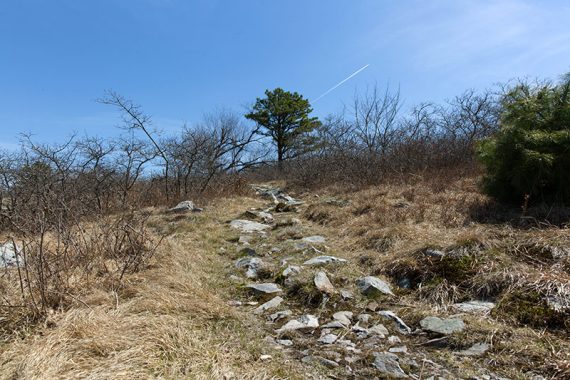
(373, 286)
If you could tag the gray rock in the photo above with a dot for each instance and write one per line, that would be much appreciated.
(280, 315)
(402, 327)
(323, 283)
(343, 317)
(284, 342)
(265, 288)
(442, 326)
(10, 255)
(477, 349)
(250, 264)
(404, 283)
(271, 304)
(184, 206)
(474, 307)
(328, 339)
(334, 325)
(399, 349)
(370, 285)
(314, 239)
(309, 359)
(434, 253)
(323, 260)
(364, 318)
(291, 270)
(304, 322)
(388, 364)
(248, 226)
(379, 330)
(346, 294)
(393, 340)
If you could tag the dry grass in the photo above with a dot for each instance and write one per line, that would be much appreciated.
(170, 321)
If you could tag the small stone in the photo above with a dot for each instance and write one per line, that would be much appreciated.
(323, 260)
(251, 266)
(393, 340)
(266, 288)
(291, 270)
(477, 349)
(272, 303)
(372, 286)
(280, 315)
(379, 330)
(244, 239)
(402, 327)
(334, 325)
(328, 338)
(346, 294)
(433, 253)
(399, 349)
(284, 342)
(11, 255)
(235, 303)
(364, 318)
(323, 283)
(388, 364)
(442, 326)
(317, 359)
(306, 321)
(265, 357)
(314, 239)
(372, 306)
(474, 307)
(343, 317)
(404, 283)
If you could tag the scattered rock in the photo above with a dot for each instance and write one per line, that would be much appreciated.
(372, 286)
(323, 283)
(266, 288)
(334, 325)
(434, 253)
(271, 304)
(343, 317)
(291, 270)
(442, 326)
(388, 364)
(265, 358)
(379, 330)
(248, 226)
(323, 260)
(10, 255)
(250, 264)
(328, 338)
(244, 239)
(265, 217)
(284, 342)
(309, 359)
(372, 306)
(477, 349)
(402, 327)
(184, 206)
(393, 340)
(234, 303)
(474, 307)
(314, 239)
(346, 294)
(280, 315)
(399, 349)
(364, 318)
(306, 321)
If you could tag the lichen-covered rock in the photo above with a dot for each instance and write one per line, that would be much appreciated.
(442, 326)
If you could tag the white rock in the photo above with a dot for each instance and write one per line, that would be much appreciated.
(265, 357)
(323, 260)
(328, 338)
(371, 285)
(474, 307)
(284, 342)
(306, 321)
(184, 206)
(343, 317)
(379, 330)
(477, 349)
(314, 239)
(10, 255)
(323, 283)
(404, 329)
(272, 303)
(400, 349)
(280, 315)
(442, 326)
(248, 226)
(267, 288)
(291, 270)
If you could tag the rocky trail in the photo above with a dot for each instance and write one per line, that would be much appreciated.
(344, 323)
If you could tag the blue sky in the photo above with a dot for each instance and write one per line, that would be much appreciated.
(179, 59)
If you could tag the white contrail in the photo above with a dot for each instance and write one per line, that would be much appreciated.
(341, 82)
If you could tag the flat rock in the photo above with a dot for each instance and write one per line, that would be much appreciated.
(402, 327)
(477, 349)
(371, 286)
(248, 226)
(309, 359)
(388, 364)
(10, 255)
(284, 342)
(346, 294)
(280, 315)
(291, 270)
(323, 260)
(474, 307)
(343, 317)
(306, 321)
(323, 283)
(265, 288)
(271, 304)
(333, 325)
(328, 338)
(442, 326)
(399, 349)
(314, 239)
(379, 330)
